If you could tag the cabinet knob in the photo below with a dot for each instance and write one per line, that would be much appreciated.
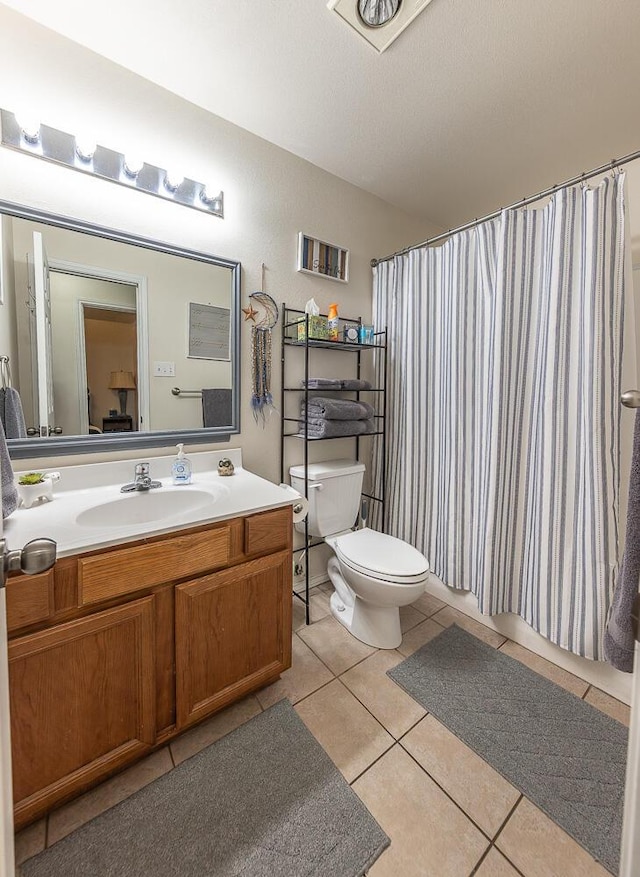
(37, 556)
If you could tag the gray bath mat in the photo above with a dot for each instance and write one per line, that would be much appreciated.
(563, 754)
(264, 801)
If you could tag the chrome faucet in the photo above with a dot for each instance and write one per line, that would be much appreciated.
(141, 481)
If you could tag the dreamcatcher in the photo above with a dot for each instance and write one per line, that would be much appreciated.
(261, 398)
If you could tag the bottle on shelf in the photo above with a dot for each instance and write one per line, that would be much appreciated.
(332, 320)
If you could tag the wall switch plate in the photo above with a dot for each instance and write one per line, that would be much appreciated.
(164, 369)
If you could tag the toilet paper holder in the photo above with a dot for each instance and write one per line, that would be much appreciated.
(300, 506)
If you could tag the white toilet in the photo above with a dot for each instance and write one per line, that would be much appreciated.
(373, 574)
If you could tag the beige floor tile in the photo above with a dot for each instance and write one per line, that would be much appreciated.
(64, 820)
(212, 729)
(409, 617)
(430, 836)
(318, 608)
(609, 705)
(428, 605)
(334, 645)
(389, 703)
(306, 674)
(349, 734)
(30, 841)
(495, 865)
(482, 793)
(416, 637)
(540, 848)
(545, 668)
(448, 616)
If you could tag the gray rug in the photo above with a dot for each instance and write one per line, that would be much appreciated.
(563, 754)
(264, 801)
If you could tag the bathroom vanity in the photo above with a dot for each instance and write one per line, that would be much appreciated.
(134, 637)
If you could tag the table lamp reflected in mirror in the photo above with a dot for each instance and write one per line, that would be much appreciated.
(122, 381)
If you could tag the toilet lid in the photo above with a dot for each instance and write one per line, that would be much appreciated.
(381, 555)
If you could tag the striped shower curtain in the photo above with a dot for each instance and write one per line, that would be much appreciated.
(505, 352)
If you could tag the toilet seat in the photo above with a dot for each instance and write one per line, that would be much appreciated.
(381, 556)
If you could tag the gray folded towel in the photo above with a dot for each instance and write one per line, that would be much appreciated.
(11, 413)
(619, 642)
(356, 384)
(216, 407)
(319, 427)
(338, 409)
(7, 483)
(318, 383)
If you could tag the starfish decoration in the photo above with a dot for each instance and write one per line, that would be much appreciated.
(250, 313)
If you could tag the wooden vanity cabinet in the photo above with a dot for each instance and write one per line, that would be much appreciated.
(113, 653)
(233, 634)
(82, 702)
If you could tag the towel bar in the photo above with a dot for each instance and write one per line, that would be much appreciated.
(176, 391)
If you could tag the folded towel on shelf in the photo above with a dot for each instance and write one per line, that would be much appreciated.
(337, 409)
(319, 383)
(7, 483)
(355, 384)
(11, 413)
(216, 407)
(319, 427)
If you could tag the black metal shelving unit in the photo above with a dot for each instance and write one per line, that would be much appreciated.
(291, 318)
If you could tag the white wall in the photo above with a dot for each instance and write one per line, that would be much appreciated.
(270, 195)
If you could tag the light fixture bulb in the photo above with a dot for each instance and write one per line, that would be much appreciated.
(29, 128)
(85, 148)
(172, 179)
(132, 165)
(211, 197)
(377, 13)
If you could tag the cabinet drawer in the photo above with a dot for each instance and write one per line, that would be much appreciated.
(268, 532)
(29, 599)
(132, 569)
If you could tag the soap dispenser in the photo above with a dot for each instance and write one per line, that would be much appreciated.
(181, 468)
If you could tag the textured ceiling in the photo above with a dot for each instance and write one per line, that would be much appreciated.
(477, 104)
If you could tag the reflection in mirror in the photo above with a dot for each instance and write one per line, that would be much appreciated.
(100, 326)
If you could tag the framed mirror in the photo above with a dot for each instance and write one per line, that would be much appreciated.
(112, 340)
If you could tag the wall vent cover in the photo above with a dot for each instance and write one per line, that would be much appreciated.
(379, 36)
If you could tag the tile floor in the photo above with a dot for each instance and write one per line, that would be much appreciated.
(447, 812)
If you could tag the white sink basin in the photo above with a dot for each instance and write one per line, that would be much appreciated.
(142, 507)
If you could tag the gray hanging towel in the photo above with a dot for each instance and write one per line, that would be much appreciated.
(11, 413)
(7, 483)
(619, 642)
(216, 407)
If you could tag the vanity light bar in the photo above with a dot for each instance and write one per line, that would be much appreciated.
(98, 161)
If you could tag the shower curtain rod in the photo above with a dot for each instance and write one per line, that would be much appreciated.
(614, 163)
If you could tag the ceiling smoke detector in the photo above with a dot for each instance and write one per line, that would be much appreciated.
(380, 22)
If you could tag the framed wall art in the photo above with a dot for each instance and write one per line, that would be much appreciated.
(323, 259)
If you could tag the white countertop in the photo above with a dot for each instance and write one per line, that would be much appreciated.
(231, 496)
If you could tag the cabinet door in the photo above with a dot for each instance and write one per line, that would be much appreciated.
(82, 700)
(233, 634)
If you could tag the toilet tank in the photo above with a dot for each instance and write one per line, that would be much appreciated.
(334, 489)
